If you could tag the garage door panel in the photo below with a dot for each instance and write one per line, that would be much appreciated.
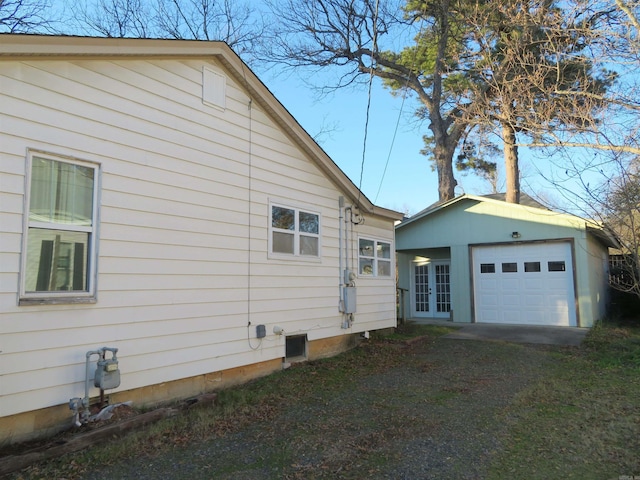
(511, 300)
(534, 318)
(511, 316)
(489, 301)
(511, 285)
(534, 300)
(556, 283)
(489, 315)
(489, 284)
(557, 300)
(534, 284)
(536, 288)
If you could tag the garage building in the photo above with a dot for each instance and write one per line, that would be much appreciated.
(480, 259)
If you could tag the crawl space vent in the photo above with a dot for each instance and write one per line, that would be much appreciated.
(296, 347)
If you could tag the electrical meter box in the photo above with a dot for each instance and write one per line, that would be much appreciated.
(349, 299)
(107, 374)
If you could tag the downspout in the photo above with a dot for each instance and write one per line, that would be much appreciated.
(341, 273)
(346, 247)
(347, 273)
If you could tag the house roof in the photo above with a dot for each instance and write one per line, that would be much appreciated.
(603, 234)
(19, 46)
(526, 202)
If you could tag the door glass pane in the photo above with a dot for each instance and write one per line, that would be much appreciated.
(283, 242)
(443, 289)
(56, 261)
(422, 288)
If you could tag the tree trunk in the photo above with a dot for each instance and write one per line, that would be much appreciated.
(445, 142)
(511, 163)
(444, 165)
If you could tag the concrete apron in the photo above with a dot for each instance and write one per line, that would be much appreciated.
(572, 336)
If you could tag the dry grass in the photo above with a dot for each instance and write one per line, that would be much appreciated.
(395, 409)
(582, 420)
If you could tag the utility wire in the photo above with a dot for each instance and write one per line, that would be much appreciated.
(393, 141)
(366, 123)
(404, 96)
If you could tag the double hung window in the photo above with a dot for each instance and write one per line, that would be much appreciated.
(374, 258)
(59, 251)
(294, 231)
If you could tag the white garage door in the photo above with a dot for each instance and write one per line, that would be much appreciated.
(526, 283)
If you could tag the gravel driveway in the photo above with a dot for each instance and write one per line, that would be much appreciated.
(435, 414)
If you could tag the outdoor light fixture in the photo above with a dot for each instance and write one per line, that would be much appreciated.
(515, 234)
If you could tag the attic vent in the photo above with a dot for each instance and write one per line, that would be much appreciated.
(214, 89)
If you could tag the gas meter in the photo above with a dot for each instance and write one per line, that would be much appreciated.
(107, 373)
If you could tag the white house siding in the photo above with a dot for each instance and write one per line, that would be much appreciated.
(183, 271)
(376, 299)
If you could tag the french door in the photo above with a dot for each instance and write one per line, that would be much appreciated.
(431, 289)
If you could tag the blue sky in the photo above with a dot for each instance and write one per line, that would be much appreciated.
(409, 184)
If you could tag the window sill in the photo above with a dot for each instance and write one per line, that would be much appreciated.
(294, 258)
(26, 301)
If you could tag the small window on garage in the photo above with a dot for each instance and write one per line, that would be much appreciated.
(296, 348)
(509, 267)
(531, 266)
(487, 268)
(556, 266)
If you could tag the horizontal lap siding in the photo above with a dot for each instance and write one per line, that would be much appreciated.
(376, 302)
(175, 229)
(11, 204)
(173, 235)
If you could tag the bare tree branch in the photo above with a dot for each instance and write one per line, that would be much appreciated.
(233, 22)
(25, 16)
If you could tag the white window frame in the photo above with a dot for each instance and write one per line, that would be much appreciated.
(296, 255)
(375, 258)
(60, 297)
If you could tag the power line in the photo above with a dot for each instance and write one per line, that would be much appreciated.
(393, 141)
(404, 96)
(366, 123)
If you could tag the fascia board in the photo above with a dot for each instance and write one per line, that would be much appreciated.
(570, 219)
